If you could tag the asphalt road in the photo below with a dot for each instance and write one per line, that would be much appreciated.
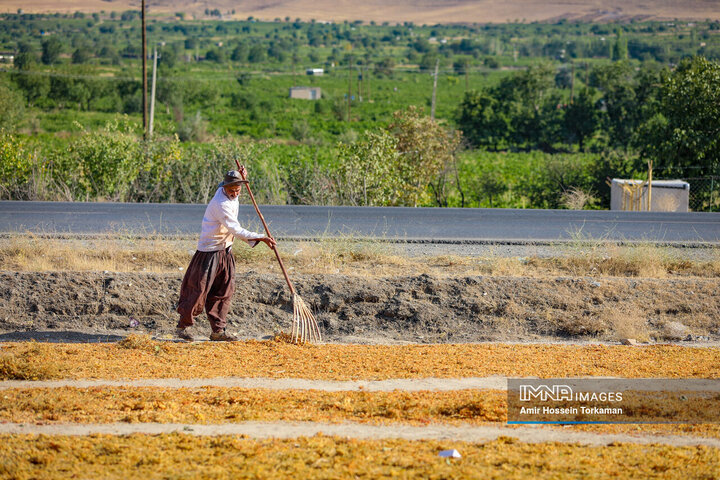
(392, 223)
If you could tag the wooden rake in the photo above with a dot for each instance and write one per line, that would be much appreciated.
(304, 326)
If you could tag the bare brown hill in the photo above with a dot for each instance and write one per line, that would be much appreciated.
(417, 11)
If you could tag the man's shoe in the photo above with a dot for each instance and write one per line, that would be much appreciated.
(183, 334)
(222, 337)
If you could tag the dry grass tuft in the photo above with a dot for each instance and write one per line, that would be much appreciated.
(639, 260)
(347, 256)
(341, 256)
(117, 254)
(626, 322)
(576, 199)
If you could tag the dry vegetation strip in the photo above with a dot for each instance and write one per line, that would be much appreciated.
(219, 405)
(184, 456)
(347, 256)
(216, 405)
(140, 357)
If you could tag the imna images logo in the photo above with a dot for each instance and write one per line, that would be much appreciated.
(555, 393)
(559, 393)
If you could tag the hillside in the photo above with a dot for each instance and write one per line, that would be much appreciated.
(417, 11)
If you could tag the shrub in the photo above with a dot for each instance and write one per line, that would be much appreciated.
(369, 173)
(15, 165)
(12, 106)
(102, 164)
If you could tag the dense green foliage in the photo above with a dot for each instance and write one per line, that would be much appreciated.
(541, 109)
(684, 131)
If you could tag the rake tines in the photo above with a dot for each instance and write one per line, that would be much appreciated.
(304, 326)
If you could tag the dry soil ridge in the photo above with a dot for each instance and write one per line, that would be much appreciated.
(424, 308)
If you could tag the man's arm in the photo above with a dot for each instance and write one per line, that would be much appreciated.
(252, 238)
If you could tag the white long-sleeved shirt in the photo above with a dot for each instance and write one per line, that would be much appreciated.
(220, 224)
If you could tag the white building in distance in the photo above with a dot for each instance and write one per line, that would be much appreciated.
(306, 93)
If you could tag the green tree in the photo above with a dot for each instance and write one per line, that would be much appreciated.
(35, 86)
(685, 131)
(25, 58)
(167, 56)
(385, 67)
(257, 54)
(581, 118)
(622, 113)
(427, 62)
(216, 55)
(240, 53)
(80, 55)
(522, 110)
(482, 120)
(51, 49)
(620, 47)
(532, 106)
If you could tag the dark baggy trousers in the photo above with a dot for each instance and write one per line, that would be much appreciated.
(208, 283)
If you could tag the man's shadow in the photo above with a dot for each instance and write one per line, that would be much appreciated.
(59, 337)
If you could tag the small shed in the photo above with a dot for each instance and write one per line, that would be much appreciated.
(306, 93)
(315, 72)
(666, 195)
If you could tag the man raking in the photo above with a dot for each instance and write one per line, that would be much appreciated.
(209, 281)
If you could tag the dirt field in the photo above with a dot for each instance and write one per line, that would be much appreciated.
(400, 379)
(307, 428)
(422, 309)
(417, 11)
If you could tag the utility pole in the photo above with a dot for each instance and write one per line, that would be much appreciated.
(572, 84)
(367, 72)
(649, 195)
(152, 95)
(467, 80)
(144, 73)
(349, 86)
(432, 108)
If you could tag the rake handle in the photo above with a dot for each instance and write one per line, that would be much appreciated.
(267, 230)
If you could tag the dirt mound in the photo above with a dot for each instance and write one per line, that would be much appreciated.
(416, 309)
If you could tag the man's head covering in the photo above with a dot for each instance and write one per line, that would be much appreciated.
(232, 178)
